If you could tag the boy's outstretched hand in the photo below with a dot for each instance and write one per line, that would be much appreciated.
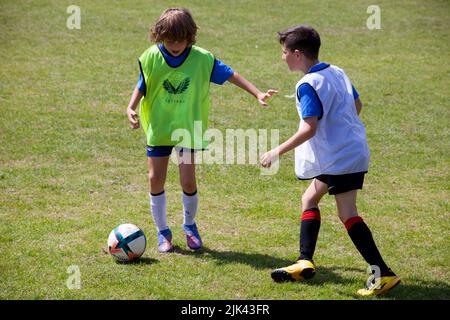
(262, 97)
(243, 83)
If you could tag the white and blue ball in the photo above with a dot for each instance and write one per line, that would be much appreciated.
(127, 242)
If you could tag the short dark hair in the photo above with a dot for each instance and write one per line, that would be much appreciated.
(174, 24)
(303, 38)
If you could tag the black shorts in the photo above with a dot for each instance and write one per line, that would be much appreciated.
(342, 183)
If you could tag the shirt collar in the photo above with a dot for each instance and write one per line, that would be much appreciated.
(318, 67)
(167, 53)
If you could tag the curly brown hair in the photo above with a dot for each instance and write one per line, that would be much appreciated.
(175, 24)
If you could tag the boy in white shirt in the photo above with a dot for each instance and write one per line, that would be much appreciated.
(330, 148)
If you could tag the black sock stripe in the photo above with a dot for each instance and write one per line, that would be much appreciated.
(157, 194)
(190, 194)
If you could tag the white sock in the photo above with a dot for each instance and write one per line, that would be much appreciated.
(190, 205)
(158, 209)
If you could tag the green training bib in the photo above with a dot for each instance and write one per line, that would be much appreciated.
(175, 108)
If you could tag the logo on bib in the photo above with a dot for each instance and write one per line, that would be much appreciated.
(179, 88)
(174, 86)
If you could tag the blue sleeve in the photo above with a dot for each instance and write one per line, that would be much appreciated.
(355, 93)
(221, 72)
(310, 104)
(141, 84)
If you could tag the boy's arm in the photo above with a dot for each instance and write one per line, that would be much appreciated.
(131, 109)
(358, 105)
(306, 132)
(243, 83)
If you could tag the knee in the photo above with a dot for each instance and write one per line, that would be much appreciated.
(189, 186)
(309, 200)
(344, 216)
(155, 179)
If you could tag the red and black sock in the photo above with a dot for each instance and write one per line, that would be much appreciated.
(309, 230)
(361, 236)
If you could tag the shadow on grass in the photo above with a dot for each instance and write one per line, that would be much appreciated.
(408, 289)
(264, 261)
(255, 260)
(416, 289)
(332, 274)
(141, 260)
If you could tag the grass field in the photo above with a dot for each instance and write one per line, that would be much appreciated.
(71, 169)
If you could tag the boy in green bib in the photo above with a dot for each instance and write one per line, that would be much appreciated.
(173, 91)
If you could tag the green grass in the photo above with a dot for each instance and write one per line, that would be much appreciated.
(71, 169)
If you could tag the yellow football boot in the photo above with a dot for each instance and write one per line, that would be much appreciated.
(382, 286)
(302, 269)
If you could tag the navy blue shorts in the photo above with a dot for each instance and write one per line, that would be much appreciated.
(164, 151)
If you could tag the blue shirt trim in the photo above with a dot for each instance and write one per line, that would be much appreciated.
(318, 67)
(141, 84)
(221, 72)
(171, 60)
(310, 104)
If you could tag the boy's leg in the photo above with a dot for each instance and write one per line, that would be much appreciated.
(186, 160)
(310, 218)
(186, 166)
(313, 194)
(188, 183)
(362, 238)
(309, 230)
(358, 230)
(157, 172)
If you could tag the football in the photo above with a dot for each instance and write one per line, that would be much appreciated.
(127, 242)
